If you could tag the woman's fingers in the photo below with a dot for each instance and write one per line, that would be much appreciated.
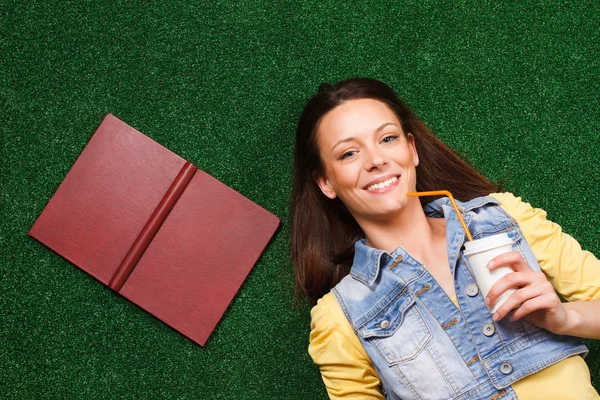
(512, 259)
(527, 299)
(513, 280)
(542, 302)
(532, 293)
(534, 297)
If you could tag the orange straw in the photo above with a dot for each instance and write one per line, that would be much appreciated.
(449, 195)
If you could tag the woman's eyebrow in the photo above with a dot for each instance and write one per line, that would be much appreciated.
(348, 139)
(384, 125)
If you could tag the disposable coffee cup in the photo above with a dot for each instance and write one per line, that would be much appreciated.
(479, 253)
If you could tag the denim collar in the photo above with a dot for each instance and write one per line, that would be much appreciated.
(436, 208)
(367, 260)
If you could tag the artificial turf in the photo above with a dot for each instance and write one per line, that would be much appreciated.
(513, 86)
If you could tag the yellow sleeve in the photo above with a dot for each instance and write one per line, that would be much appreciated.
(574, 273)
(346, 369)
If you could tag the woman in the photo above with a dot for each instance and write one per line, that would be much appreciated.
(399, 314)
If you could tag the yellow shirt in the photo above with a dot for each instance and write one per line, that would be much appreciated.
(348, 372)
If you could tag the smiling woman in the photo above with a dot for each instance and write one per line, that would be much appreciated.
(364, 158)
(399, 314)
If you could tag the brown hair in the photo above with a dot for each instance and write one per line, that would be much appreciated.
(323, 231)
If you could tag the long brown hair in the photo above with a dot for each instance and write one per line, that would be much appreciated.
(323, 231)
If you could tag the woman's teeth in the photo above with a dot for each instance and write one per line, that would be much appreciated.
(383, 184)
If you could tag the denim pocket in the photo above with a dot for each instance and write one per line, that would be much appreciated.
(398, 332)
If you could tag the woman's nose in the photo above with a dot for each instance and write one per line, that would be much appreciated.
(375, 159)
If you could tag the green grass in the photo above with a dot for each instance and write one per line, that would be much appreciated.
(514, 87)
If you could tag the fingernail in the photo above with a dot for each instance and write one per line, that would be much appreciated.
(490, 264)
(487, 301)
(495, 317)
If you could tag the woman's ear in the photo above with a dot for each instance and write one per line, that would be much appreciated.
(413, 147)
(324, 185)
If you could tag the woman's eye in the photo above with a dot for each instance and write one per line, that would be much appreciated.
(347, 154)
(390, 138)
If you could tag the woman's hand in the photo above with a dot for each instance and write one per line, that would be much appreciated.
(534, 298)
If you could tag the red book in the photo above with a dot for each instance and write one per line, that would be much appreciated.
(154, 228)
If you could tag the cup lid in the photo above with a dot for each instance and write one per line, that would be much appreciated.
(487, 243)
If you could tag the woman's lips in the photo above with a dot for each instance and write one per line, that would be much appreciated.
(383, 185)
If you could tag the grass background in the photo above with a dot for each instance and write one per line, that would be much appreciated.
(514, 87)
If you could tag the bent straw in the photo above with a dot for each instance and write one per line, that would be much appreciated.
(449, 195)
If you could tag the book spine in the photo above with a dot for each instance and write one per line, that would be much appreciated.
(157, 218)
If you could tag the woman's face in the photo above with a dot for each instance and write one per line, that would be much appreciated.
(369, 163)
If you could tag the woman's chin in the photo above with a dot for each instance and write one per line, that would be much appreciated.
(385, 212)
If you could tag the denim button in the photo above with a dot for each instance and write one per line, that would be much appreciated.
(385, 324)
(488, 329)
(472, 290)
(506, 368)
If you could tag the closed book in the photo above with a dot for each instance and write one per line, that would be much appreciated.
(155, 228)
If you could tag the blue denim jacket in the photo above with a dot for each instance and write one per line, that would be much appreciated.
(425, 347)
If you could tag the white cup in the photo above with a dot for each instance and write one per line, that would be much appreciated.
(479, 253)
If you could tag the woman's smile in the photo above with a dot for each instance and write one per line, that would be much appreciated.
(383, 185)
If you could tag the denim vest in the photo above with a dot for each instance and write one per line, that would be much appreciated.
(425, 347)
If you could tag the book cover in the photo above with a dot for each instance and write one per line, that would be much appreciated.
(156, 229)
